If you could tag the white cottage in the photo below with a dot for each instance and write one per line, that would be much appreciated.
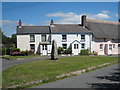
(95, 35)
(38, 38)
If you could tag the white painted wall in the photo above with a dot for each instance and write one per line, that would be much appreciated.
(71, 38)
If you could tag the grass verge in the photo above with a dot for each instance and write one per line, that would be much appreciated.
(40, 70)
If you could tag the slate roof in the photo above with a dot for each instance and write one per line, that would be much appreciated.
(33, 30)
(103, 29)
(68, 28)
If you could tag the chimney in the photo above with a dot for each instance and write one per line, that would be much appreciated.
(19, 23)
(83, 20)
(51, 22)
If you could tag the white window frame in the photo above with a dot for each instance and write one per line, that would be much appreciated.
(82, 38)
(32, 38)
(64, 38)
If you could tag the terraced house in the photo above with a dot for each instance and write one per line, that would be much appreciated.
(96, 35)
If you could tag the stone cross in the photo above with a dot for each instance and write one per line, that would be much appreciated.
(54, 52)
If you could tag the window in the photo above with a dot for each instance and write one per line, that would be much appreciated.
(43, 38)
(113, 45)
(110, 46)
(82, 38)
(64, 38)
(44, 47)
(32, 38)
(101, 46)
(83, 46)
(75, 46)
(64, 46)
(118, 45)
(32, 47)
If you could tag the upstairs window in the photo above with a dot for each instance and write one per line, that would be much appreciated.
(82, 46)
(32, 38)
(64, 46)
(64, 38)
(43, 38)
(82, 38)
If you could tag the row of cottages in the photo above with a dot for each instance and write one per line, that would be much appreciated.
(95, 35)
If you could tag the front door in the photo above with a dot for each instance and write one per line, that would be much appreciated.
(106, 49)
(76, 49)
(44, 49)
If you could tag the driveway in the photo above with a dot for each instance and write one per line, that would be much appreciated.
(9, 63)
(107, 77)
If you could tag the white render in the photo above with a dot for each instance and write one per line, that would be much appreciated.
(23, 42)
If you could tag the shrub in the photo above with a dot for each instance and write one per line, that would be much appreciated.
(95, 53)
(60, 50)
(23, 53)
(30, 52)
(14, 49)
(15, 53)
(68, 51)
(84, 52)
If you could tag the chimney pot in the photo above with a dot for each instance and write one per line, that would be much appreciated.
(52, 22)
(20, 23)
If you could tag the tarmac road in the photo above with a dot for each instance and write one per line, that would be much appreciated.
(107, 77)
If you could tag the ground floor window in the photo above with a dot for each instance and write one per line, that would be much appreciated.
(110, 46)
(75, 46)
(83, 46)
(44, 47)
(113, 45)
(118, 45)
(64, 46)
(32, 47)
(101, 46)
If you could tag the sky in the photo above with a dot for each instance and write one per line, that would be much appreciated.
(40, 13)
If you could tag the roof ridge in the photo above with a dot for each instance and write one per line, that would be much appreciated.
(102, 21)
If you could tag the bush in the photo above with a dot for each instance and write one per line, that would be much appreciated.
(30, 52)
(68, 51)
(84, 52)
(60, 50)
(23, 53)
(14, 49)
(15, 53)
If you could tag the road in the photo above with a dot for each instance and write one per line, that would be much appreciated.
(107, 77)
(9, 63)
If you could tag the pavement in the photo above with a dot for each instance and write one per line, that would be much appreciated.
(107, 77)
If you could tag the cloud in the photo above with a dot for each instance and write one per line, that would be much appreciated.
(9, 26)
(101, 16)
(73, 18)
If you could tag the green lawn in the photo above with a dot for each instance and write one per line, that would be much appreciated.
(15, 57)
(37, 70)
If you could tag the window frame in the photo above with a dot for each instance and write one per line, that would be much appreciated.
(83, 44)
(82, 38)
(32, 48)
(64, 38)
(101, 47)
(63, 46)
(32, 38)
(43, 37)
